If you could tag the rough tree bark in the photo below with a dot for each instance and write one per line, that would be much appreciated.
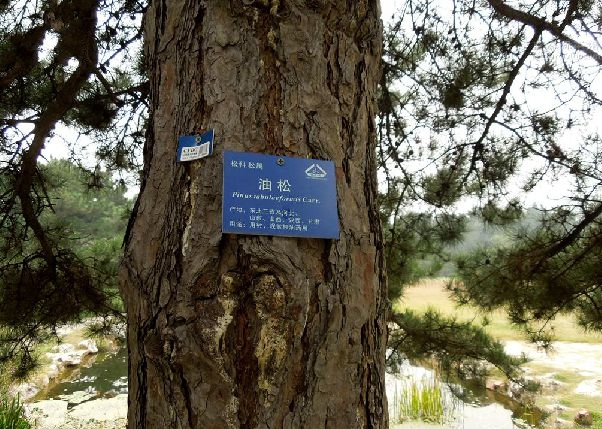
(234, 331)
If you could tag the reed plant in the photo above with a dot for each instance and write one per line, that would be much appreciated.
(12, 414)
(424, 400)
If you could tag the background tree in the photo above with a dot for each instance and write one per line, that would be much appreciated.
(488, 102)
(94, 211)
(60, 64)
(91, 221)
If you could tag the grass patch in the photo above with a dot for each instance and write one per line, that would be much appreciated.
(12, 414)
(563, 378)
(424, 400)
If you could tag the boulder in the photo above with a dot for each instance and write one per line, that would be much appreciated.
(70, 359)
(584, 417)
(89, 346)
(102, 409)
(498, 385)
(68, 356)
(52, 371)
(24, 391)
(47, 414)
(65, 348)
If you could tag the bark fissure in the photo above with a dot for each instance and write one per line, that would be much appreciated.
(242, 338)
(141, 370)
(367, 375)
(188, 403)
(272, 97)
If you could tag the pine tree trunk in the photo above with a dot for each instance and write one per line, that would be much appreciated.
(240, 331)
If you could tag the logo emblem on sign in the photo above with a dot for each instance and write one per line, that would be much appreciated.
(314, 171)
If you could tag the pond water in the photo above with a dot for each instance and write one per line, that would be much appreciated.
(103, 375)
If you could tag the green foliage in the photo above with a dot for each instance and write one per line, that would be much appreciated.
(64, 63)
(418, 250)
(461, 127)
(12, 414)
(597, 423)
(93, 211)
(85, 227)
(492, 214)
(415, 241)
(460, 118)
(459, 347)
(539, 274)
(88, 202)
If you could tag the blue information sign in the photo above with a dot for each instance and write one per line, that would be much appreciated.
(195, 146)
(279, 195)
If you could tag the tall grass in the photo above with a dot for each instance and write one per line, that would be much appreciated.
(424, 400)
(11, 414)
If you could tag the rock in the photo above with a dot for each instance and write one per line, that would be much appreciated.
(65, 348)
(89, 346)
(78, 397)
(498, 385)
(68, 356)
(47, 414)
(554, 408)
(102, 409)
(584, 417)
(516, 390)
(24, 391)
(42, 380)
(70, 359)
(52, 371)
(92, 424)
(549, 385)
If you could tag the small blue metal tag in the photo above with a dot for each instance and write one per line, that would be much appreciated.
(279, 195)
(195, 146)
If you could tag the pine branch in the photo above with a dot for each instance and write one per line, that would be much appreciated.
(540, 24)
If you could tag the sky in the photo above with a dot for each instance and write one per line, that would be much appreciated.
(388, 7)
